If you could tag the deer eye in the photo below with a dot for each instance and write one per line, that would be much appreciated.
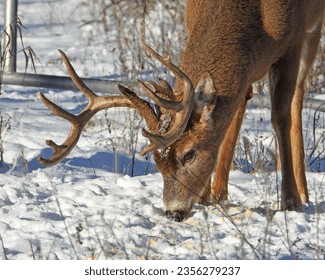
(189, 156)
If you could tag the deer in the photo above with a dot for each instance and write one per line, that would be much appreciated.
(193, 128)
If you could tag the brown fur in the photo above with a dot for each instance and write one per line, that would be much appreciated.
(237, 43)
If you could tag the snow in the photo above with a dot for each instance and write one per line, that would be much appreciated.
(90, 207)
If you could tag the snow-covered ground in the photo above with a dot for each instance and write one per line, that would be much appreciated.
(89, 206)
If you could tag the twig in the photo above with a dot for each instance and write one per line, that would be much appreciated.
(3, 247)
(63, 219)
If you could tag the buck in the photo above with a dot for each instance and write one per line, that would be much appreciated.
(231, 44)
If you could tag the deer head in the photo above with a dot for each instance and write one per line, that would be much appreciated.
(176, 131)
(187, 163)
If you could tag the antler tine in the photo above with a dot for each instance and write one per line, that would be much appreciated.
(167, 104)
(61, 151)
(167, 61)
(163, 88)
(56, 110)
(143, 107)
(157, 141)
(76, 79)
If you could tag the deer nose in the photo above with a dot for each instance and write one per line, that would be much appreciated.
(177, 216)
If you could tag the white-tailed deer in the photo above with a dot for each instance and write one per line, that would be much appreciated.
(230, 45)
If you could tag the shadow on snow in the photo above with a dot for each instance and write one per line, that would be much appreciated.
(108, 161)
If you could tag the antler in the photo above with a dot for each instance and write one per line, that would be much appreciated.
(95, 104)
(183, 110)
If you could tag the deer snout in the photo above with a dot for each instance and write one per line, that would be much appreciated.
(178, 199)
(177, 216)
(178, 209)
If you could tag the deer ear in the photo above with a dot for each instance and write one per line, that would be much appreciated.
(206, 97)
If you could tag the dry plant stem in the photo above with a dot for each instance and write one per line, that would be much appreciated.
(3, 248)
(288, 239)
(1, 140)
(32, 250)
(224, 212)
(63, 220)
(120, 243)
